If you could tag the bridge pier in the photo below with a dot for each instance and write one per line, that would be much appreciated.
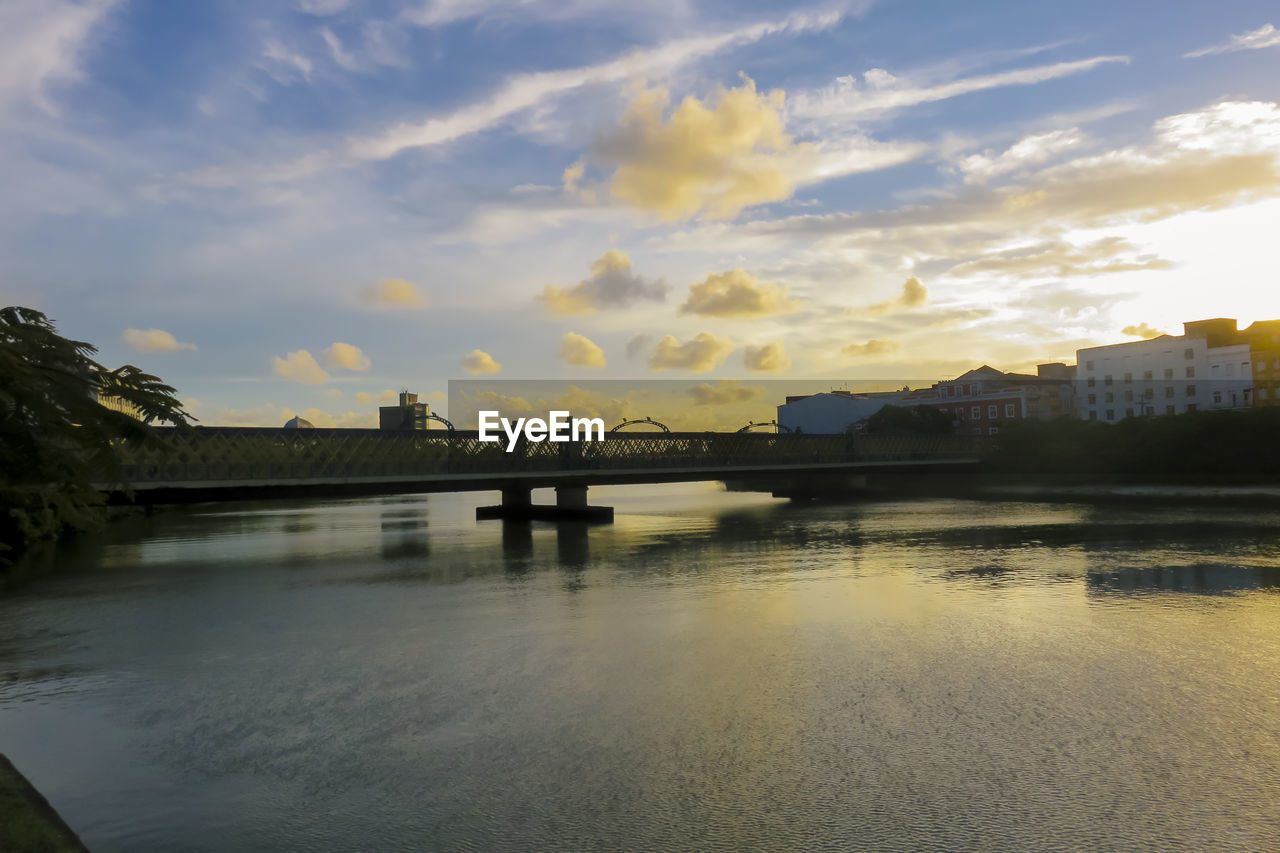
(571, 505)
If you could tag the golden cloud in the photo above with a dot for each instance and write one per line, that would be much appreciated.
(914, 295)
(479, 361)
(154, 340)
(610, 285)
(365, 397)
(389, 293)
(713, 158)
(870, 349)
(1141, 330)
(346, 357)
(736, 293)
(1061, 260)
(300, 366)
(770, 358)
(725, 392)
(699, 354)
(580, 351)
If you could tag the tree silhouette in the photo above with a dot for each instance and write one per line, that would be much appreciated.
(57, 441)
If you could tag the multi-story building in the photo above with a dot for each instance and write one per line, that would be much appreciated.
(1207, 367)
(408, 415)
(1263, 338)
(978, 401)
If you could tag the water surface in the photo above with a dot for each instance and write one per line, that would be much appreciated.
(715, 671)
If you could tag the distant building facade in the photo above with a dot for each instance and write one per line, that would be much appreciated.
(1208, 367)
(833, 411)
(1263, 338)
(408, 415)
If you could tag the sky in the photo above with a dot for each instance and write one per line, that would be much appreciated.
(303, 206)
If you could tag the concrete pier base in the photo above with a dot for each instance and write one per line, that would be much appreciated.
(571, 505)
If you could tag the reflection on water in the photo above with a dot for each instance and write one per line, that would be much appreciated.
(714, 671)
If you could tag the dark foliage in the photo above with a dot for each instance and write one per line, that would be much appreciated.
(911, 420)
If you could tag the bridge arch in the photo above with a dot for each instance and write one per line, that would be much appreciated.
(753, 424)
(634, 421)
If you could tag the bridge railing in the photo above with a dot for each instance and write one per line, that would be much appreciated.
(235, 454)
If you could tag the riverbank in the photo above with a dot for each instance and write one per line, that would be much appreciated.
(1085, 488)
(28, 824)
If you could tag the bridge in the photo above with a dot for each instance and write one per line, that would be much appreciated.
(185, 465)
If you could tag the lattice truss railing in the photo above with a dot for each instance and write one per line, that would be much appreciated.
(212, 454)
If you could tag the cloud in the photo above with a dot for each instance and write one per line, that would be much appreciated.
(639, 341)
(714, 158)
(301, 367)
(285, 65)
(1264, 36)
(1063, 260)
(699, 354)
(880, 92)
(737, 294)
(323, 7)
(580, 351)
(346, 357)
(1141, 330)
(154, 340)
(333, 393)
(525, 91)
(769, 358)
(725, 392)
(914, 295)
(42, 43)
(341, 56)
(392, 293)
(365, 397)
(1028, 151)
(871, 349)
(479, 361)
(610, 285)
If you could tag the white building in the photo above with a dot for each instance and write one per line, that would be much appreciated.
(1165, 375)
(833, 411)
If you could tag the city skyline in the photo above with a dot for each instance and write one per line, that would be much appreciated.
(297, 208)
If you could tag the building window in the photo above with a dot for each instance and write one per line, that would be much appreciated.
(1093, 398)
(964, 389)
(1093, 416)
(1168, 410)
(951, 390)
(1149, 394)
(1128, 379)
(1191, 372)
(1262, 365)
(1276, 364)
(1231, 369)
(1128, 396)
(991, 411)
(993, 430)
(1191, 407)
(976, 412)
(1244, 368)
(1189, 353)
(1146, 375)
(1111, 414)
(1191, 390)
(1088, 365)
(1008, 410)
(1168, 373)
(1106, 380)
(1217, 396)
(1262, 393)
(1128, 413)
(1110, 398)
(1090, 382)
(1168, 391)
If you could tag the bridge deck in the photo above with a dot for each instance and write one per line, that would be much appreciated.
(206, 463)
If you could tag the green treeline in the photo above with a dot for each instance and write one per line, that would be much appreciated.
(57, 441)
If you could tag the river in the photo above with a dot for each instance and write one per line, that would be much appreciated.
(714, 671)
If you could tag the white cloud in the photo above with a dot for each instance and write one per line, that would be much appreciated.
(1028, 151)
(479, 361)
(346, 357)
(42, 43)
(699, 354)
(285, 65)
(154, 340)
(580, 351)
(880, 92)
(1264, 36)
(529, 90)
(340, 55)
(300, 366)
(323, 7)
